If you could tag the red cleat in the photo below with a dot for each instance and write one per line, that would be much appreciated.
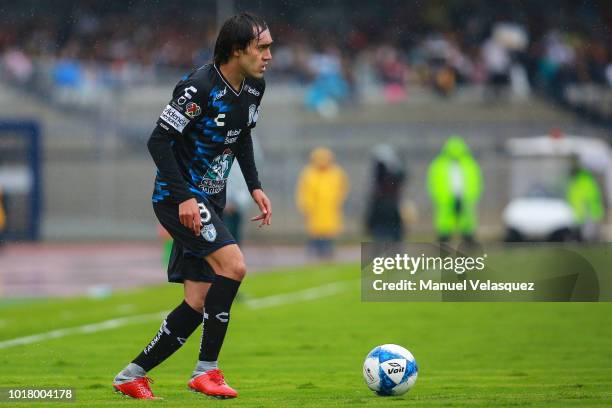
(212, 384)
(138, 388)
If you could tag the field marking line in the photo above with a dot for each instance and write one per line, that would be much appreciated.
(300, 296)
(86, 329)
(259, 303)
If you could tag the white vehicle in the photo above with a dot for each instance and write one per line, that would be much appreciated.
(540, 168)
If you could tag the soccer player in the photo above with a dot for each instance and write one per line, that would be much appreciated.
(205, 126)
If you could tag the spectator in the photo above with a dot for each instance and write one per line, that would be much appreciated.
(18, 66)
(2, 218)
(383, 218)
(454, 183)
(584, 196)
(329, 87)
(321, 191)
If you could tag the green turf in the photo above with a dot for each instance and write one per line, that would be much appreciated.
(310, 353)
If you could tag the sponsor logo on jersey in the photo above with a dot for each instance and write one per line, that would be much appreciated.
(253, 114)
(187, 95)
(192, 110)
(252, 90)
(218, 120)
(209, 232)
(174, 118)
(220, 94)
(215, 178)
(232, 136)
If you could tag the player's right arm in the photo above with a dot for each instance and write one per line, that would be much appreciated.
(160, 148)
(176, 117)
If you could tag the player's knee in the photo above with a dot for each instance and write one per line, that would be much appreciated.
(195, 301)
(239, 270)
(236, 270)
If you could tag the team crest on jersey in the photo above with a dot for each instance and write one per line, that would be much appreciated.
(192, 110)
(209, 232)
(253, 114)
(215, 178)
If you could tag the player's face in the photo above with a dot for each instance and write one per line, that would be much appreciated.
(254, 59)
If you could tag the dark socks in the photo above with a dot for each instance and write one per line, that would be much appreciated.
(216, 316)
(174, 331)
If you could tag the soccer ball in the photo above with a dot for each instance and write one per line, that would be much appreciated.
(390, 370)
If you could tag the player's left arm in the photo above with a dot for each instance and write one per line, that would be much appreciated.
(246, 159)
(263, 202)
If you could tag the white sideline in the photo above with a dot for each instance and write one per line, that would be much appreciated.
(88, 328)
(300, 296)
(260, 303)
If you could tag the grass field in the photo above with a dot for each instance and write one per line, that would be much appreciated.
(307, 348)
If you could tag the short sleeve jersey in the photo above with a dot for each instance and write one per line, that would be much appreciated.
(207, 120)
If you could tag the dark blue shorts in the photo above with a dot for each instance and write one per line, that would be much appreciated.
(188, 250)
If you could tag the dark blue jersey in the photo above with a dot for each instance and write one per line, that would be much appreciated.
(199, 133)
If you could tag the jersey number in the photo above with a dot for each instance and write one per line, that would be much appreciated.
(204, 213)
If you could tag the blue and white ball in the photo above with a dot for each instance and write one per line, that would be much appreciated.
(390, 370)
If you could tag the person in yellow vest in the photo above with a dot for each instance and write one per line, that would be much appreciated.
(320, 194)
(585, 198)
(454, 183)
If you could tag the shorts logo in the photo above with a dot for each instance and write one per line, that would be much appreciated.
(192, 110)
(209, 232)
(253, 114)
(174, 118)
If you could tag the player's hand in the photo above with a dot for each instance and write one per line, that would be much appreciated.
(189, 214)
(263, 202)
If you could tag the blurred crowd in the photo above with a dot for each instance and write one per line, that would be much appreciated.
(334, 48)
